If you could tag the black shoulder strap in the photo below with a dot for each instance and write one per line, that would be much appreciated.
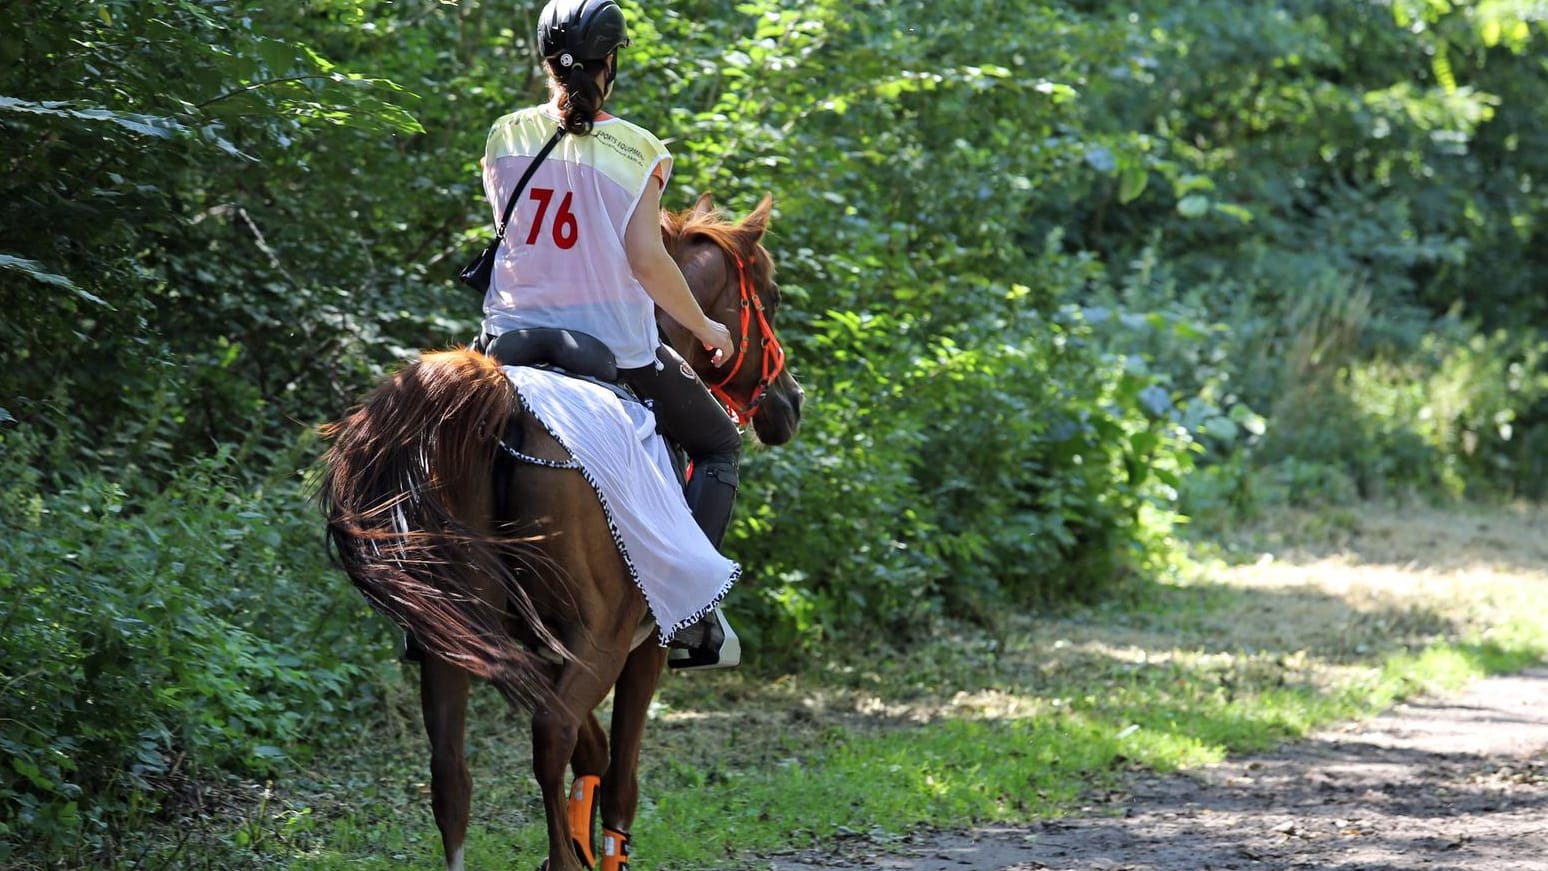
(510, 204)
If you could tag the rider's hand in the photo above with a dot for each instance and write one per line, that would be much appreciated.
(717, 340)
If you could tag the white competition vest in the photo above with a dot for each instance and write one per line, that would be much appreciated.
(563, 262)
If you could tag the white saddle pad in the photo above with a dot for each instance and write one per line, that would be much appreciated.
(625, 460)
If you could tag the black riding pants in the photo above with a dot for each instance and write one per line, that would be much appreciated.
(686, 412)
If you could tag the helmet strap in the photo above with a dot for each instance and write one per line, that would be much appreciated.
(610, 65)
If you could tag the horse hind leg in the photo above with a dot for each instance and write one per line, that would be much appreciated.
(587, 765)
(443, 695)
(556, 736)
(621, 786)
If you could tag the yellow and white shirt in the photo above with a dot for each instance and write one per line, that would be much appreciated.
(563, 262)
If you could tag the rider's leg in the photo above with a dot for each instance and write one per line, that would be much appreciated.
(711, 642)
(688, 414)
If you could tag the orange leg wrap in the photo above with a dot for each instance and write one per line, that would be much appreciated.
(615, 850)
(582, 795)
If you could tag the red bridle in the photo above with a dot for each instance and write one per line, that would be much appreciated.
(773, 353)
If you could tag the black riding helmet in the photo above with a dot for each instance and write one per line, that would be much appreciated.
(586, 30)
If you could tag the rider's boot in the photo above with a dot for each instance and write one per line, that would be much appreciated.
(711, 495)
(710, 642)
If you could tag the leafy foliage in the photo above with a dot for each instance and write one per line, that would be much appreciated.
(151, 641)
(1055, 273)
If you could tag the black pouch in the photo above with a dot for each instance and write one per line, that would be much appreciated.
(480, 270)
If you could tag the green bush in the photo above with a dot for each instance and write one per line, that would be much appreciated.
(146, 640)
(1453, 416)
(1012, 474)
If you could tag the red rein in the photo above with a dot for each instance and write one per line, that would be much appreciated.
(773, 353)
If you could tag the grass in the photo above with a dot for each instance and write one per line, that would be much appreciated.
(1300, 622)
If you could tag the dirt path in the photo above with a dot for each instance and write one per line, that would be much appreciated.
(1455, 784)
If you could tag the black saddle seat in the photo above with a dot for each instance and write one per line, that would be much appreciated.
(574, 352)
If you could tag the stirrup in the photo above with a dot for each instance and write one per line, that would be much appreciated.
(709, 654)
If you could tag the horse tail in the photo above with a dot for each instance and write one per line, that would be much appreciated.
(408, 492)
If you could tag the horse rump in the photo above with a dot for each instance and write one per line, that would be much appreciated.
(408, 493)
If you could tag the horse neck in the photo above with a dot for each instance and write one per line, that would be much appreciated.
(707, 295)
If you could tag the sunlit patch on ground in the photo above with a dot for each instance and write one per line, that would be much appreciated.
(1320, 611)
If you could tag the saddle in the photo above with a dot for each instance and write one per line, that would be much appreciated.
(566, 351)
(572, 353)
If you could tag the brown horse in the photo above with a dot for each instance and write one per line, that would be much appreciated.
(508, 571)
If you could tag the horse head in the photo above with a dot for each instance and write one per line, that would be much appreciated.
(732, 276)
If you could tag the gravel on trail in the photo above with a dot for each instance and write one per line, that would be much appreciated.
(1442, 784)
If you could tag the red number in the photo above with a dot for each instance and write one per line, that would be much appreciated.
(542, 195)
(566, 227)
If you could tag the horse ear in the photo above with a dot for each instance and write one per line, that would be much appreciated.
(757, 222)
(703, 208)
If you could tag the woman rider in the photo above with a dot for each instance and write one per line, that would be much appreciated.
(585, 254)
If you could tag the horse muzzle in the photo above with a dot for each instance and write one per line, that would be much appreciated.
(779, 414)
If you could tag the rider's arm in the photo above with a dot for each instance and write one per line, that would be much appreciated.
(663, 280)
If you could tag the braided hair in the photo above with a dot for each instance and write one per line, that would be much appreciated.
(574, 37)
(580, 97)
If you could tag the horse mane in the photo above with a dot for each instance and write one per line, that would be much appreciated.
(679, 227)
(741, 239)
